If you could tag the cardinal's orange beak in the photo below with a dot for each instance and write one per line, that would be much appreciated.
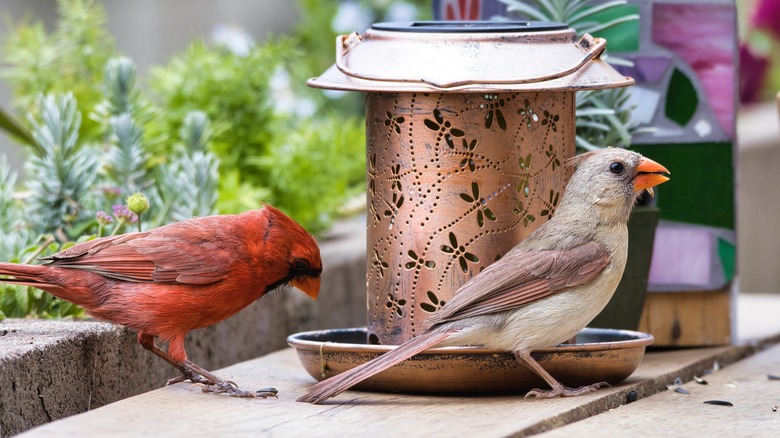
(649, 175)
(308, 285)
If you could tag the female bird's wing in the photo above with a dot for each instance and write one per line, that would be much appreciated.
(520, 278)
(190, 252)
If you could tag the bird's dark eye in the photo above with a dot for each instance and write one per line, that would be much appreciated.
(616, 168)
(300, 265)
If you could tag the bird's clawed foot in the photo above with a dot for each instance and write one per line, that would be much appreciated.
(564, 391)
(219, 386)
(231, 389)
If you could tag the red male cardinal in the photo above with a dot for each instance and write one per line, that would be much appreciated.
(548, 287)
(180, 277)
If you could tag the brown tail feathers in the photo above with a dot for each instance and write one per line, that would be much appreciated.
(341, 382)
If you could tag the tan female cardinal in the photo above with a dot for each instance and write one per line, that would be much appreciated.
(547, 288)
(180, 277)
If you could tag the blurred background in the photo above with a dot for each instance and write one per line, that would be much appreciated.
(150, 31)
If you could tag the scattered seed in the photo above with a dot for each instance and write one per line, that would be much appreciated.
(773, 377)
(774, 408)
(718, 403)
(699, 380)
(632, 396)
(677, 382)
(681, 390)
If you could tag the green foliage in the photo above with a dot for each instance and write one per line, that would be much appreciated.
(328, 155)
(232, 90)
(266, 154)
(121, 94)
(13, 231)
(61, 177)
(603, 117)
(69, 60)
(126, 158)
(578, 14)
(188, 183)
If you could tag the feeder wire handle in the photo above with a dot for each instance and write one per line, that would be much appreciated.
(592, 47)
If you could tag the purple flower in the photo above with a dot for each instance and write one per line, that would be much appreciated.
(103, 218)
(752, 72)
(124, 215)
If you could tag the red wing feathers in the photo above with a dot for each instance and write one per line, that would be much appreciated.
(521, 278)
(174, 254)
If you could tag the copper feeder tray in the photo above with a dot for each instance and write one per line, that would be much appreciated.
(597, 355)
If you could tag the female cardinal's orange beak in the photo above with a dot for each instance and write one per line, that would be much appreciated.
(308, 285)
(648, 175)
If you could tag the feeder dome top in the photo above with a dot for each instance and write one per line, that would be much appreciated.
(469, 56)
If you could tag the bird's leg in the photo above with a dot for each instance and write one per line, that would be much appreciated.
(558, 389)
(196, 374)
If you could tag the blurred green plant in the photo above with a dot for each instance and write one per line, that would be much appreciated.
(70, 59)
(333, 169)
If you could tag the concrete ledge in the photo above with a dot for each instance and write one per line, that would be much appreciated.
(54, 369)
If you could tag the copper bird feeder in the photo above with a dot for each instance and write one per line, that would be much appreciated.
(468, 126)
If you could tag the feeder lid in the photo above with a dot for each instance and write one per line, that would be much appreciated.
(469, 56)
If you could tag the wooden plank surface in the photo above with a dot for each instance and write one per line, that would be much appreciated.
(755, 411)
(182, 410)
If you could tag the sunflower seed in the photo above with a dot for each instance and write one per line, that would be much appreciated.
(699, 380)
(718, 403)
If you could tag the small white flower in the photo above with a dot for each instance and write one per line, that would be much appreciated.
(234, 37)
(284, 99)
(351, 17)
(401, 11)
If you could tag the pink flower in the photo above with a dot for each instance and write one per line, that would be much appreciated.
(103, 218)
(766, 16)
(752, 73)
(124, 215)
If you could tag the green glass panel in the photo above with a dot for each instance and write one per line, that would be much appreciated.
(728, 258)
(701, 189)
(623, 37)
(681, 98)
